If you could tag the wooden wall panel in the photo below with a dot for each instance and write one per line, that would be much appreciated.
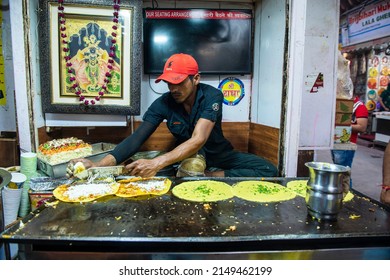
(9, 152)
(264, 142)
(303, 157)
(161, 140)
(238, 134)
(90, 135)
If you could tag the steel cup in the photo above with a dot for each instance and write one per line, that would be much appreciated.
(324, 194)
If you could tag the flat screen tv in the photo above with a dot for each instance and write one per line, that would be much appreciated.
(220, 40)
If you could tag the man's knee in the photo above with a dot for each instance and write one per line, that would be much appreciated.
(269, 170)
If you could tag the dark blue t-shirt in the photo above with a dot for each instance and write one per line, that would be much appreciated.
(208, 105)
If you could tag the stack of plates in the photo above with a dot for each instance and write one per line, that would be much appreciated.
(28, 166)
(11, 202)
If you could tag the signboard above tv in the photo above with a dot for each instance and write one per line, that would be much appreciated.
(220, 40)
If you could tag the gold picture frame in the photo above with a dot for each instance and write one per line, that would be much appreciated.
(89, 33)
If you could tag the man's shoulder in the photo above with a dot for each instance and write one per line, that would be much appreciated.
(360, 110)
(210, 91)
(386, 92)
(163, 98)
(206, 87)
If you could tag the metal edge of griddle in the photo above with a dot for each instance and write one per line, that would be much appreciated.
(205, 244)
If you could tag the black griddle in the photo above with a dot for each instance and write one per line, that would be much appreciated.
(169, 224)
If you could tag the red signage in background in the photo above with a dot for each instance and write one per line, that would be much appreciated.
(368, 23)
(196, 14)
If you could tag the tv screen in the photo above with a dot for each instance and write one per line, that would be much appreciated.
(220, 40)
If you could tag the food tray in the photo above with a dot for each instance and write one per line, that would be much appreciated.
(99, 150)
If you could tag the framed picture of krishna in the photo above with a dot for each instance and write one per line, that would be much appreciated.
(90, 56)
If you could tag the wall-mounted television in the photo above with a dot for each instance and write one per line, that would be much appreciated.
(220, 40)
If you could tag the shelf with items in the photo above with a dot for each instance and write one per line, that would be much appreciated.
(382, 135)
(343, 116)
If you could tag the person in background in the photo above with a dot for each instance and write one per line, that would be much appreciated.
(385, 193)
(359, 124)
(193, 114)
(384, 99)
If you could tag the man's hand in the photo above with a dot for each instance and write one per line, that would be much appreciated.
(143, 167)
(385, 196)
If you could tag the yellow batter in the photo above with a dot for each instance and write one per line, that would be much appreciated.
(348, 197)
(298, 186)
(203, 191)
(262, 191)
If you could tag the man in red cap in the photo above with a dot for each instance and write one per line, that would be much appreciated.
(193, 114)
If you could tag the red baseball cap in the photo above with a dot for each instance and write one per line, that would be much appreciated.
(177, 68)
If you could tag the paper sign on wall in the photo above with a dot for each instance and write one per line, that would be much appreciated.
(314, 82)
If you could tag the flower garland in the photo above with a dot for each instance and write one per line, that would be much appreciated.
(67, 57)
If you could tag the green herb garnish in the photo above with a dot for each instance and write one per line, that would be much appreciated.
(266, 190)
(204, 189)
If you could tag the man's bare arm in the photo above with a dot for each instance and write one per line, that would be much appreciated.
(385, 193)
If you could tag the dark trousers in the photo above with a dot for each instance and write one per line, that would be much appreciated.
(238, 164)
(343, 157)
